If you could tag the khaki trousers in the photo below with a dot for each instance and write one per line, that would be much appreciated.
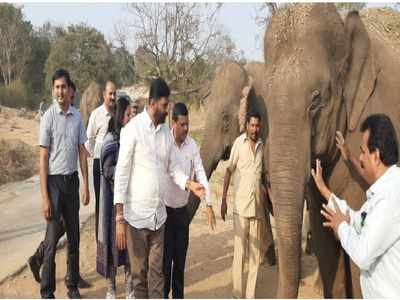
(247, 238)
(146, 253)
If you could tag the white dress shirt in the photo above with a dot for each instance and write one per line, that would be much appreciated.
(97, 130)
(146, 160)
(372, 239)
(191, 164)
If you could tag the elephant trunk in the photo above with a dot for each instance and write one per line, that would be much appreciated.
(210, 153)
(288, 169)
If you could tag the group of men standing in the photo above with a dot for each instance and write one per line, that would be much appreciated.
(154, 161)
(154, 174)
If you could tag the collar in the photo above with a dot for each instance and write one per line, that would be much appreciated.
(148, 121)
(105, 111)
(246, 139)
(184, 143)
(60, 111)
(380, 183)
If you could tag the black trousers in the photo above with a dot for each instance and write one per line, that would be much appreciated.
(39, 253)
(176, 243)
(96, 183)
(64, 197)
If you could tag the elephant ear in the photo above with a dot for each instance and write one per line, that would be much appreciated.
(243, 104)
(361, 76)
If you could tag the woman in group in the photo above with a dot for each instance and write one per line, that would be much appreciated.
(109, 257)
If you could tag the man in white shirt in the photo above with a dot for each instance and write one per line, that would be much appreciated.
(176, 239)
(96, 131)
(370, 236)
(146, 160)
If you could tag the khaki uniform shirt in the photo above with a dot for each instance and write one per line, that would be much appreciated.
(246, 168)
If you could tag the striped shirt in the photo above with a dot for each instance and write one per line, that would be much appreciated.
(62, 133)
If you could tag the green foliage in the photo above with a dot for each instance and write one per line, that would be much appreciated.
(33, 75)
(123, 67)
(84, 52)
(346, 7)
(16, 95)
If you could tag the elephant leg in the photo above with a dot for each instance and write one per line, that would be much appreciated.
(267, 242)
(328, 251)
(355, 280)
(307, 230)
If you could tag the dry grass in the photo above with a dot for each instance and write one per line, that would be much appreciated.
(18, 160)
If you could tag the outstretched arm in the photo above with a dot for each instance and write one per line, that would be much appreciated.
(348, 157)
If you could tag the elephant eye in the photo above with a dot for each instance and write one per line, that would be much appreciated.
(316, 101)
(315, 94)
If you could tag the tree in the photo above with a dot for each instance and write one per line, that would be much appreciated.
(123, 66)
(345, 7)
(83, 51)
(181, 42)
(14, 42)
(33, 75)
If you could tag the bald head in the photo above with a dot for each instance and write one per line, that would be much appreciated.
(109, 95)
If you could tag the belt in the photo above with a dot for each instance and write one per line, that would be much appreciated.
(66, 177)
(177, 208)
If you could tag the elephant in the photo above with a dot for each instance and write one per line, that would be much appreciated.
(92, 98)
(323, 74)
(234, 91)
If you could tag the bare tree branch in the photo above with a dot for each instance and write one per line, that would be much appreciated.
(181, 42)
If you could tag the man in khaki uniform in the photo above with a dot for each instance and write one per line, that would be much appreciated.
(245, 163)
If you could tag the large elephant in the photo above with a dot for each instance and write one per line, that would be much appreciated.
(92, 98)
(235, 90)
(323, 75)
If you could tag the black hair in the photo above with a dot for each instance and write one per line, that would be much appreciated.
(179, 109)
(382, 136)
(253, 114)
(158, 89)
(115, 123)
(60, 73)
(72, 85)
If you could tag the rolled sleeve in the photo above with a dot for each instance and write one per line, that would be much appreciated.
(201, 174)
(342, 205)
(234, 156)
(45, 131)
(124, 164)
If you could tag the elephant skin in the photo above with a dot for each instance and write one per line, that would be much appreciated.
(92, 98)
(234, 91)
(323, 74)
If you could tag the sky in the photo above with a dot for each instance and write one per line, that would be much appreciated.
(237, 19)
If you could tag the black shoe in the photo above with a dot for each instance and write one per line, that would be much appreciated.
(83, 284)
(74, 294)
(35, 268)
(51, 296)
